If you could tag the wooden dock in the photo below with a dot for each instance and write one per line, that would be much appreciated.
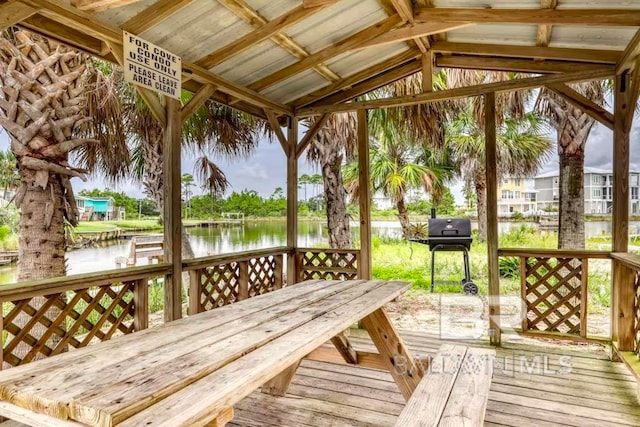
(8, 257)
(596, 393)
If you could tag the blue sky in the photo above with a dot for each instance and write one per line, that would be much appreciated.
(266, 169)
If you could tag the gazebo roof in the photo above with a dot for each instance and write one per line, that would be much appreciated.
(285, 55)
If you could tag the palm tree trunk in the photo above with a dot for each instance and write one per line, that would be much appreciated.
(571, 214)
(335, 195)
(153, 184)
(41, 247)
(403, 215)
(481, 198)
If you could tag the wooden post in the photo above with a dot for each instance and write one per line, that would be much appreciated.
(141, 304)
(427, 72)
(365, 195)
(172, 211)
(195, 278)
(622, 313)
(277, 274)
(292, 200)
(492, 217)
(523, 293)
(243, 280)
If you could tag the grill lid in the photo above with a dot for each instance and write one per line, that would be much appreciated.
(446, 228)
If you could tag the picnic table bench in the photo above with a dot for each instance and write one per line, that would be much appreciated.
(192, 371)
(454, 391)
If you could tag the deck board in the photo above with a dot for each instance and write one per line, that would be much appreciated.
(596, 393)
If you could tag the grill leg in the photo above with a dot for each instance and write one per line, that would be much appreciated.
(433, 263)
(467, 269)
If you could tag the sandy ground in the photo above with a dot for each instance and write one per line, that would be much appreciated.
(466, 317)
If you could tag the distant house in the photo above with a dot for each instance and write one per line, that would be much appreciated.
(515, 195)
(96, 208)
(598, 191)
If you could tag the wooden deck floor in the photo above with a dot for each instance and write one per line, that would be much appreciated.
(597, 392)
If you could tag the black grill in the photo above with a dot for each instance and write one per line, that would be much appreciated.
(453, 234)
(448, 232)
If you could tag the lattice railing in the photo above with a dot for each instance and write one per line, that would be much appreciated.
(224, 279)
(48, 317)
(554, 291)
(340, 264)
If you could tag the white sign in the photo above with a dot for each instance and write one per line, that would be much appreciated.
(150, 66)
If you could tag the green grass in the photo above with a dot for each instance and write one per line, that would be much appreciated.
(411, 262)
(100, 226)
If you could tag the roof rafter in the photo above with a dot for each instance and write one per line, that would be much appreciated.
(462, 92)
(64, 34)
(409, 32)
(626, 62)
(356, 78)
(534, 52)
(543, 36)
(264, 32)
(241, 9)
(373, 83)
(153, 15)
(404, 8)
(100, 5)
(352, 42)
(512, 64)
(95, 27)
(13, 12)
(616, 17)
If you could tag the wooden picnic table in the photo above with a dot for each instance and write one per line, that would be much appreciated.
(192, 371)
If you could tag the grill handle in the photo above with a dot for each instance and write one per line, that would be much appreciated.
(449, 232)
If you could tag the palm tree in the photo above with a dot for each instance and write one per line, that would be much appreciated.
(304, 180)
(396, 167)
(334, 144)
(214, 130)
(572, 126)
(522, 149)
(49, 115)
(9, 177)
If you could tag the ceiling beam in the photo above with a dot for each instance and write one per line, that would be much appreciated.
(373, 83)
(627, 60)
(316, 3)
(264, 32)
(251, 16)
(92, 25)
(344, 45)
(404, 8)
(512, 64)
(409, 32)
(608, 17)
(543, 36)
(100, 5)
(348, 82)
(578, 100)
(64, 34)
(153, 15)
(462, 92)
(533, 52)
(14, 12)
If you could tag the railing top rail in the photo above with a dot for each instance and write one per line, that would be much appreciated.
(561, 253)
(629, 260)
(193, 264)
(23, 290)
(329, 250)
